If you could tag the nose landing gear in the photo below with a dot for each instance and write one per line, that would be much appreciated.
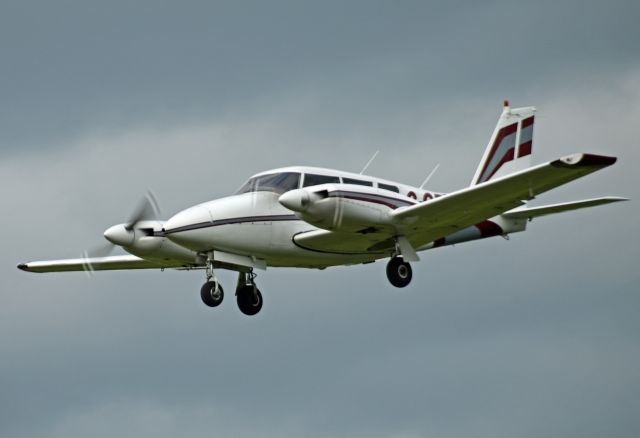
(399, 272)
(248, 295)
(211, 292)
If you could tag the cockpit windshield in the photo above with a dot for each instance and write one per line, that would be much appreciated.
(275, 182)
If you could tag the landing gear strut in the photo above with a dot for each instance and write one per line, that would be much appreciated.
(247, 294)
(211, 292)
(399, 272)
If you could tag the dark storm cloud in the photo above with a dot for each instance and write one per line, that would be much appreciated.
(532, 337)
(73, 65)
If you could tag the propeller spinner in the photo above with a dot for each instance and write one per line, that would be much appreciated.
(124, 234)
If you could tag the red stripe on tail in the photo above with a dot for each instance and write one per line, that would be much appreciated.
(525, 149)
(504, 132)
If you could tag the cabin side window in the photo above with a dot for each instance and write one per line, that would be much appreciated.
(358, 182)
(388, 187)
(311, 179)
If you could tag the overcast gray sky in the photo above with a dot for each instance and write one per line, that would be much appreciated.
(537, 336)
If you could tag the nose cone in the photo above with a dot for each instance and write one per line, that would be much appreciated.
(119, 235)
(295, 200)
(190, 228)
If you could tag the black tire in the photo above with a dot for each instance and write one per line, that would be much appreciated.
(399, 272)
(249, 300)
(208, 296)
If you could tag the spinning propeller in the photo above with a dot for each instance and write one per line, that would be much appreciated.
(124, 234)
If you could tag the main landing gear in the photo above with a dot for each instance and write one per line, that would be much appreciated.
(399, 272)
(211, 292)
(248, 295)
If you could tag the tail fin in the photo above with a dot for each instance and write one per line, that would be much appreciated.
(510, 147)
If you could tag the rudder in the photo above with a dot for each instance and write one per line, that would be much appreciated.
(511, 145)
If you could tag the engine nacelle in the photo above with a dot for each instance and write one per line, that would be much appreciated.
(147, 240)
(343, 207)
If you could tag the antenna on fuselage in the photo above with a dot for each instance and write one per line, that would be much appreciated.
(429, 177)
(369, 162)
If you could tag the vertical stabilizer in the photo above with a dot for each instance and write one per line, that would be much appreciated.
(511, 145)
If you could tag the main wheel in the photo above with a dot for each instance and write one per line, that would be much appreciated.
(212, 293)
(399, 272)
(249, 300)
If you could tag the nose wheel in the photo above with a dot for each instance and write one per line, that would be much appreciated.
(399, 272)
(248, 295)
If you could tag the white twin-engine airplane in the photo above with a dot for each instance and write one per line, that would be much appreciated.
(308, 217)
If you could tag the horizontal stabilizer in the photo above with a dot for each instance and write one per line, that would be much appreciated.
(531, 212)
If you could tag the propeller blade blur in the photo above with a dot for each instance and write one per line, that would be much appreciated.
(96, 252)
(147, 210)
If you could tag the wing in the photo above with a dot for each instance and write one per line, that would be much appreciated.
(97, 264)
(426, 222)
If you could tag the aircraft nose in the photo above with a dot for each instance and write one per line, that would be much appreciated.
(119, 235)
